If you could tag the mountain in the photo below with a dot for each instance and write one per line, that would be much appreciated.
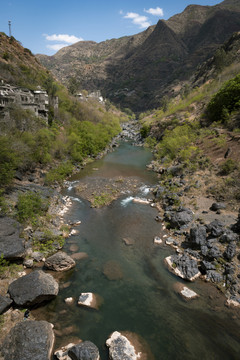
(137, 71)
(18, 66)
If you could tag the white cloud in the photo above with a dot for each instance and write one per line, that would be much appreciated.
(56, 47)
(141, 21)
(157, 12)
(69, 39)
(121, 12)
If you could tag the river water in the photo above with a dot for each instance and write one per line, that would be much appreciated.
(135, 288)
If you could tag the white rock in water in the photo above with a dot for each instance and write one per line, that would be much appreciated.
(188, 294)
(232, 302)
(89, 300)
(121, 348)
(185, 292)
(141, 201)
(157, 240)
(69, 300)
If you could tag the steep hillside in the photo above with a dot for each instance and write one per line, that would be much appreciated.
(18, 66)
(136, 71)
(72, 131)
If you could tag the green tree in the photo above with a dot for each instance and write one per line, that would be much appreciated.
(8, 161)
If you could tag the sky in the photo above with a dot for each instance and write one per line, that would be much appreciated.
(44, 26)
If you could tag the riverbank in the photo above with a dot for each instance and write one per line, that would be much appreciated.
(203, 228)
(37, 238)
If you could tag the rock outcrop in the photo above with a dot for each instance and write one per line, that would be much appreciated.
(33, 289)
(29, 340)
(11, 245)
(179, 219)
(183, 266)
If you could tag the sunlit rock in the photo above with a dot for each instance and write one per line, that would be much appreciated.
(69, 300)
(183, 266)
(157, 240)
(89, 300)
(185, 292)
(141, 201)
(127, 346)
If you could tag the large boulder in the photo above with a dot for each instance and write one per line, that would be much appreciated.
(217, 206)
(11, 244)
(84, 351)
(180, 218)
(183, 266)
(120, 347)
(59, 262)
(5, 304)
(29, 340)
(230, 251)
(228, 236)
(198, 236)
(215, 228)
(33, 289)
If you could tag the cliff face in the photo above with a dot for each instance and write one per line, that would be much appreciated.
(136, 71)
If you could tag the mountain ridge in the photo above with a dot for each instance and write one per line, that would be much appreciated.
(137, 71)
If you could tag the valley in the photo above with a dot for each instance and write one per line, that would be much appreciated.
(119, 214)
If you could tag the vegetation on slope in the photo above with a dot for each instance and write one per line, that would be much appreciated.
(76, 131)
(199, 132)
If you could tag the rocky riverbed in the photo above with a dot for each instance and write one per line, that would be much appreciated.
(204, 232)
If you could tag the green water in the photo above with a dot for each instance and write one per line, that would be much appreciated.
(142, 298)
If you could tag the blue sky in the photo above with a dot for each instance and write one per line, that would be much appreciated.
(44, 26)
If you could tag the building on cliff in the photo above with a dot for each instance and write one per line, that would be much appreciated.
(37, 101)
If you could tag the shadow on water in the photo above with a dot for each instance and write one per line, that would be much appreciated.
(136, 290)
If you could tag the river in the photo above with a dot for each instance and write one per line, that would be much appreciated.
(136, 289)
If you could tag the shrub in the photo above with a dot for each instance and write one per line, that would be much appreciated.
(8, 161)
(50, 244)
(59, 173)
(175, 140)
(144, 131)
(30, 206)
(5, 56)
(225, 101)
(228, 167)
